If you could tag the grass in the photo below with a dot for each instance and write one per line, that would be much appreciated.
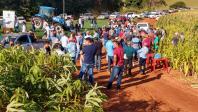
(87, 26)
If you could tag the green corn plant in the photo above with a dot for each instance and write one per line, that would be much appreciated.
(184, 55)
(34, 81)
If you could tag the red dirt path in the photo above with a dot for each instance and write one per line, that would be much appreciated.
(155, 92)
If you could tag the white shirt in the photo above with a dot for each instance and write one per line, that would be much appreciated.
(59, 52)
(47, 28)
(80, 20)
(64, 41)
(88, 36)
(68, 22)
(23, 28)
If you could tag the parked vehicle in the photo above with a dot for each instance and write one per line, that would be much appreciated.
(143, 26)
(103, 15)
(25, 40)
(132, 15)
(121, 18)
(114, 15)
(48, 14)
(153, 15)
(21, 19)
(87, 16)
(66, 16)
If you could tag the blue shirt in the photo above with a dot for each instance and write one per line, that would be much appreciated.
(136, 42)
(72, 49)
(89, 52)
(109, 47)
(143, 52)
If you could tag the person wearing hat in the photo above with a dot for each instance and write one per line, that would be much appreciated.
(142, 58)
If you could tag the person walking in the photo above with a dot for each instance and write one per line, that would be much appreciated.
(88, 54)
(109, 49)
(143, 55)
(79, 40)
(64, 41)
(33, 25)
(118, 63)
(136, 44)
(128, 55)
(72, 50)
(24, 27)
(98, 55)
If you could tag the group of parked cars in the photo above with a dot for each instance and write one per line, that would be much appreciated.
(131, 15)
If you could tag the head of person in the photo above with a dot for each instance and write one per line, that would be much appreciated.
(87, 33)
(128, 43)
(88, 41)
(116, 43)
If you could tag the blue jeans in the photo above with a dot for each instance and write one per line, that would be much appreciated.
(116, 71)
(110, 61)
(142, 64)
(88, 69)
(98, 62)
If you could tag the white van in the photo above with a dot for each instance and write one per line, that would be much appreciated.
(143, 26)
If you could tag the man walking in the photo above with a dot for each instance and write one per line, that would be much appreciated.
(109, 48)
(88, 55)
(143, 55)
(118, 65)
(128, 55)
(98, 55)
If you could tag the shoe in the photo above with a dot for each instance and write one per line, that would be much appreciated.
(109, 86)
(118, 87)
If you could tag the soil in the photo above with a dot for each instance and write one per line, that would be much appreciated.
(157, 91)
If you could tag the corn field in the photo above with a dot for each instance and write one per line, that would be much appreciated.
(184, 56)
(31, 81)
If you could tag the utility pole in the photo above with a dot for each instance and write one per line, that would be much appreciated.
(64, 9)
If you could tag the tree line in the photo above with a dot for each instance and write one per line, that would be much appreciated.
(28, 8)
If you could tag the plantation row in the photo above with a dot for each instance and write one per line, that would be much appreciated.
(35, 82)
(183, 56)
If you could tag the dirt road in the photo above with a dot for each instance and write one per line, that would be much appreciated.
(155, 92)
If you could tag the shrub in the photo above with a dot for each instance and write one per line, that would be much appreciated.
(179, 4)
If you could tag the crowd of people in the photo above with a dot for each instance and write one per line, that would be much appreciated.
(121, 42)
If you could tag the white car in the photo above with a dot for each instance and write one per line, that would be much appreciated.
(132, 15)
(87, 16)
(21, 19)
(143, 26)
(103, 15)
(114, 15)
(153, 15)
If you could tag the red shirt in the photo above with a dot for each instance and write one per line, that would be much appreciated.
(119, 52)
(147, 42)
(121, 35)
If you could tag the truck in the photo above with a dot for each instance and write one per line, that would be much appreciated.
(48, 14)
(26, 40)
